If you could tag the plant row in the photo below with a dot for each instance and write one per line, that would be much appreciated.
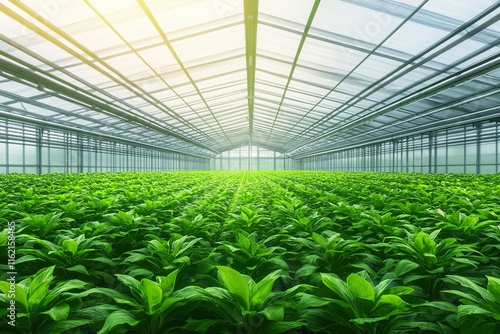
(250, 252)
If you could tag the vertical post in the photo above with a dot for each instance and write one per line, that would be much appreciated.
(67, 154)
(7, 162)
(407, 154)
(258, 158)
(496, 147)
(39, 136)
(465, 148)
(446, 151)
(430, 151)
(478, 127)
(80, 153)
(153, 165)
(394, 148)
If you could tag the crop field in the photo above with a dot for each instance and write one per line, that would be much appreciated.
(250, 252)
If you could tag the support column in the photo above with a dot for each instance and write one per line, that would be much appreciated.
(80, 153)
(39, 136)
(478, 127)
(431, 135)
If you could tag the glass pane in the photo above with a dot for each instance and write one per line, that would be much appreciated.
(15, 154)
(456, 155)
(488, 153)
(30, 155)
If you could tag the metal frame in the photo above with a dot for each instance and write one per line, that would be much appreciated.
(305, 79)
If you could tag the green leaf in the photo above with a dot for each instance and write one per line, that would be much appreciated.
(440, 305)
(381, 287)
(494, 287)
(58, 312)
(404, 266)
(200, 325)
(319, 239)
(360, 288)
(129, 281)
(27, 258)
(362, 321)
(21, 297)
(308, 301)
(70, 245)
(400, 290)
(236, 284)
(151, 293)
(4, 287)
(167, 303)
(305, 270)
(336, 285)
(389, 305)
(168, 283)
(280, 327)
(466, 310)
(274, 312)
(471, 321)
(464, 281)
(39, 286)
(262, 290)
(463, 260)
(69, 285)
(118, 318)
(79, 269)
(426, 326)
(424, 244)
(62, 326)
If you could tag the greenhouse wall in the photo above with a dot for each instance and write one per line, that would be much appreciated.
(471, 148)
(252, 158)
(25, 148)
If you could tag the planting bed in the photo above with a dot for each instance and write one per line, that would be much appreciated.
(250, 252)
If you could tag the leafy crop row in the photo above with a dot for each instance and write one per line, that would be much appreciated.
(251, 252)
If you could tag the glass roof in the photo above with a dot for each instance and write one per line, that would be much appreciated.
(300, 77)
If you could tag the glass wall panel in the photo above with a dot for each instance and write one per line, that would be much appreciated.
(67, 152)
(29, 155)
(452, 150)
(470, 154)
(57, 157)
(470, 169)
(253, 158)
(16, 154)
(456, 169)
(488, 153)
(456, 155)
(29, 170)
(488, 170)
(3, 153)
(441, 156)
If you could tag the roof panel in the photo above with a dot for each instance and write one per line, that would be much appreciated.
(185, 82)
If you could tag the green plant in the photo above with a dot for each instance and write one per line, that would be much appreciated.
(241, 305)
(479, 311)
(249, 256)
(160, 257)
(193, 223)
(80, 255)
(43, 225)
(468, 228)
(425, 262)
(39, 308)
(149, 306)
(356, 306)
(330, 252)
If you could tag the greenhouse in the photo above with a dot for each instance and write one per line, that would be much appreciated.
(246, 166)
